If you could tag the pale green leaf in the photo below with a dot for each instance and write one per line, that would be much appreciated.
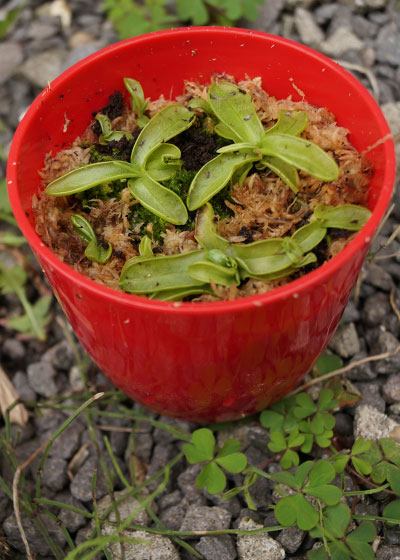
(345, 216)
(88, 176)
(301, 153)
(158, 199)
(213, 176)
(167, 123)
(234, 107)
(160, 273)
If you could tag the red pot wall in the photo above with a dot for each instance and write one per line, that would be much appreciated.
(203, 362)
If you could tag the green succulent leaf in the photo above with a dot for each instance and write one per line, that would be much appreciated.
(286, 171)
(97, 253)
(94, 251)
(205, 231)
(345, 216)
(160, 273)
(138, 101)
(234, 107)
(324, 440)
(105, 123)
(163, 162)
(92, 175)
(158, 199)
(201, 447)
(361, 466)
(213, 177)
(302, 154)
(83, 228)
(296, 510)
(145, 249)
(211, 478)
(289, 122)
(358, 540)
(180, 294)
(167, 123)
(207, 272)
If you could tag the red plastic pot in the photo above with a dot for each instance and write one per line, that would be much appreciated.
(210, 361)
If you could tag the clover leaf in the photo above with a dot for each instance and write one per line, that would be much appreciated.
(202, 449)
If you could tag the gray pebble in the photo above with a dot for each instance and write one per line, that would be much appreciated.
(81, 486)
(204, 518)
(25, 392)
(13, 349)
(257, 546)
(363, 372)
(372, 424)
(221, 547)
(173, 516)
(60, 356)
(371, 394)
(387, 552)
(35, 539)
(388, 44)
(70, 519)
(187, 483)
(345, 341)
(378, 277)
(11, 56)
(308, 29)
(54, 474)
(391, 388)
(42, 68)
(291, 539)
(41, 378)
(386, 342)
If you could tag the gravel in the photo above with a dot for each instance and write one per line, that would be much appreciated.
(48, 37)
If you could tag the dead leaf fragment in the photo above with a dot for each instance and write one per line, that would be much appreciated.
(8, 396)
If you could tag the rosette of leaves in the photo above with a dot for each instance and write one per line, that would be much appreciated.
(202, 449)
(170, 277)
(152, 161)
(280, 148)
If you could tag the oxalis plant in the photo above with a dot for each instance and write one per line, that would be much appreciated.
(154, 160)
(310, 495)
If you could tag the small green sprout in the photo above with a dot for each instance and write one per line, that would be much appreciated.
(202, 449)
(223, 263)
(138, 102)
(94, 251)
(279, 148)
(107, 133)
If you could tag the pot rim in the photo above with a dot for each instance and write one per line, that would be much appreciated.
(291, 289)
